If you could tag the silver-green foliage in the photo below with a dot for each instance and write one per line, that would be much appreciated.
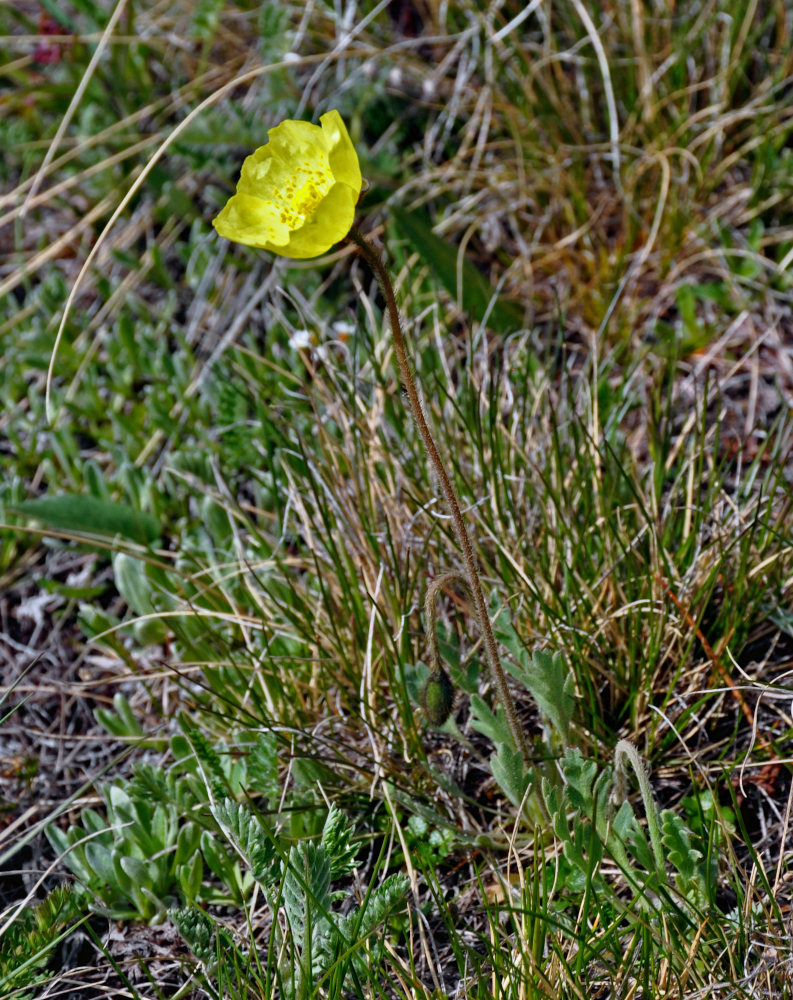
(320, 941)
(150, 850)
(585, 817)
(546, 676)
(322, 938)
(128, 859)
(249, 837)
(587, 822)
(27, 942)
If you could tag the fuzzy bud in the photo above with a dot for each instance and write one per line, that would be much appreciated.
(437, 697)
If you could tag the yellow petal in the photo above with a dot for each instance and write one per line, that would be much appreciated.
(329, 224)
(249, 220)
(297, 194)
(342, 156)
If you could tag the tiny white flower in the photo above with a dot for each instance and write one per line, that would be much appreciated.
(343, 329)
(300, 340)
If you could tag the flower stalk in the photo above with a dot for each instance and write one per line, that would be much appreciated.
(626, 751)
(296, 197)
(374, 262)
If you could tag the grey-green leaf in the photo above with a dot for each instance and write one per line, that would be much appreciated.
(87, 515)
(475, 293)
(510, 772)
(551, 683)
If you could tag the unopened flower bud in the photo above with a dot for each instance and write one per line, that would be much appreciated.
(437, 697)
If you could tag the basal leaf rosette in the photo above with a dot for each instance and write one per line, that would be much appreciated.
(297, 194)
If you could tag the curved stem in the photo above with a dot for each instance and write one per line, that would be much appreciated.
(372, 259)
(626, 750)
(431, 613)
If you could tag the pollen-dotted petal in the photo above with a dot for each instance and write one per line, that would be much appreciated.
(297, 194)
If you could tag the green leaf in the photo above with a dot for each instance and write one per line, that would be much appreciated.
(677, 841)
(137, 590)
(546, 675)
(580, 775)
(505, 632)
(696, 876)
(100, 861)
(58, 840)
(628, 833)
(191, 876)
(29, 938)
(121, 723)
(249, 836)
(552, 796)
(336, 837)
(263, 767)
(306, 888)
(137, 871)
(120, 807)
(552, 686)
(216, 857)
(510, 772)
(75, 593)
(187, 842)
(491, 724)
(224, 866)
(197, 930)
(354, 930)
(94, 822)
(152, 907)
(72, 856)
(162, 827)
(206, 18)
(86, 515)
(476, 295)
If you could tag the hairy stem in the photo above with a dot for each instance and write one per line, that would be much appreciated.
(431, 613)
(374, 262)
(625, 750)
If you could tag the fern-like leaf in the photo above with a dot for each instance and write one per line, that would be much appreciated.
(249, 837)
(336, 837)
(263, 768)
(27, 943)
(491, 724)
(353, 934)
(205, 939)
(695, 877)
(544, 674)
(306, 889)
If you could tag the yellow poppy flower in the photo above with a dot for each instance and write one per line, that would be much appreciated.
(297, 194)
